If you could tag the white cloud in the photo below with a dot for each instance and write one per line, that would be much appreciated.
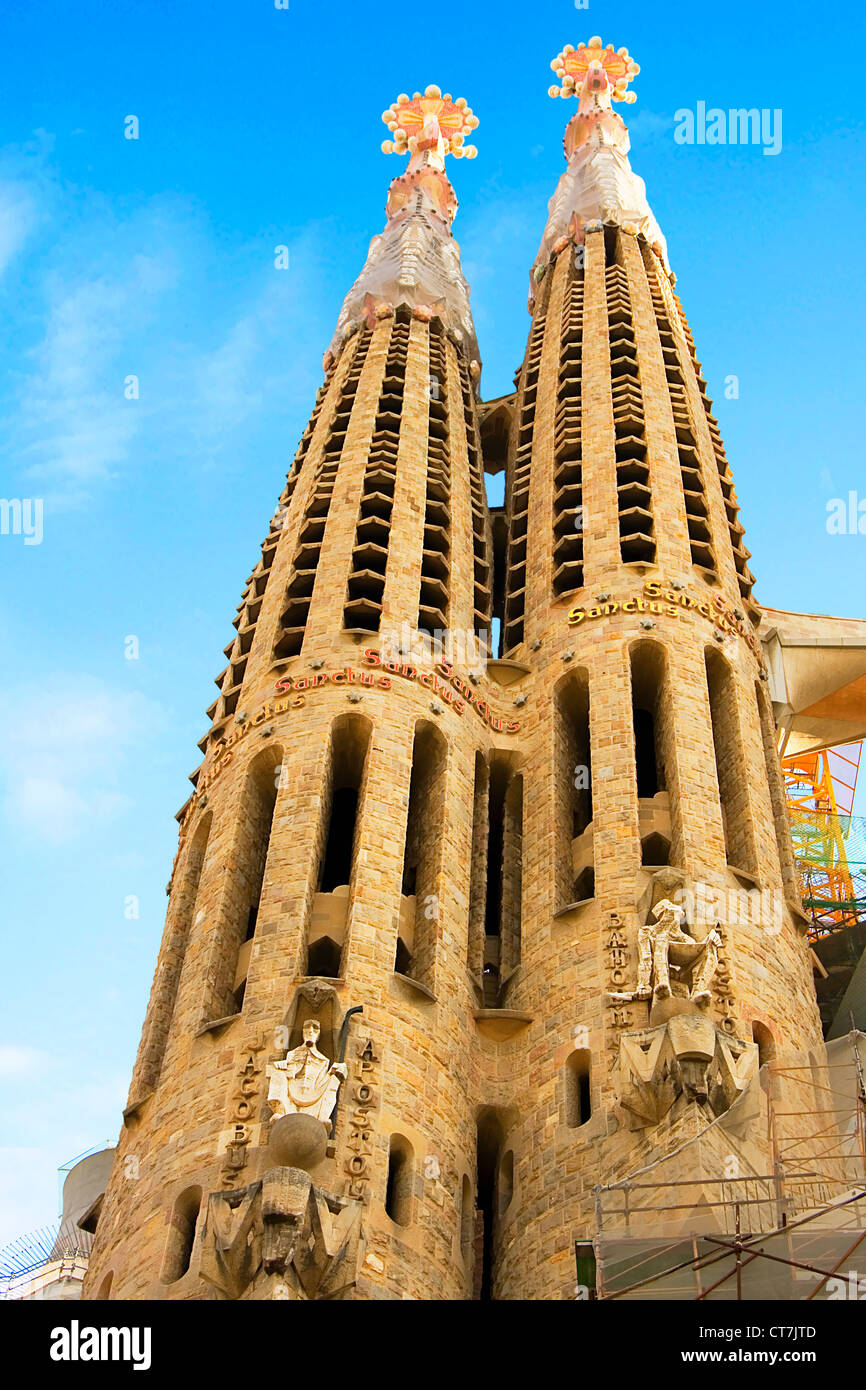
(28, 1191)
(75, 425)
(18, 218)
(64, 775)
(646, 126)
(18, 1061)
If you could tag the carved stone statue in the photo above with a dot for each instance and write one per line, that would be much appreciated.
(306, 1082)
(281, 1238)
(662, 947)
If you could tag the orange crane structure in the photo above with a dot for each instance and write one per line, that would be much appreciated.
(830, 852)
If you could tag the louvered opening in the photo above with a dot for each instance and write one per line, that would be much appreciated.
(567, 444)
(634, 496)
(694, 491)
(366, 584)
(518, 492)
(305, 561)
(435, 558)
(745, 578)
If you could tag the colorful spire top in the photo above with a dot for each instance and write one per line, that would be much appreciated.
(594, 68)
(431, 123)
(415, 261)
(599, 185)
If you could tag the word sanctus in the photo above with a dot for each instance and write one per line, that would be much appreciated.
(443, 681)
(658, 598)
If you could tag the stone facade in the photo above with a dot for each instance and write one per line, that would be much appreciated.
(469, 855)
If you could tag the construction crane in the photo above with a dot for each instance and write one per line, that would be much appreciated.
(830, 854)
(829, 842)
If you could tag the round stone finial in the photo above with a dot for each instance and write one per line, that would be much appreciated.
(298, 1141)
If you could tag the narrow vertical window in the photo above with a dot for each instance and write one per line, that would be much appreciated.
(181, 1235)
(422, 857)
(478, 867)
(182, 916)
(765, 1041)
(575, 878)
(489, 1141)
(727, 742)
(654, 756)
(467, 1219)
(398, 1192)
(260, 797)
(777, 790)
(337, 843)
(578, 1096)
(503, 898)
(506, 1181)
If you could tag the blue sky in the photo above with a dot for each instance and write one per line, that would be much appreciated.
(155, 257)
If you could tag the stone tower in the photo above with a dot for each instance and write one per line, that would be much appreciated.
(452, 937)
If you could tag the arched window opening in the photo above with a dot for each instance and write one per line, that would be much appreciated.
(777, 790)
(655, 850)
(489, 1146)
(728, 747)
(578, 1096)
(422, 856)
(337, 844)
(323, 958)
(467, 1219)
(584, 886)
(654, 753)
(182, 916)
(506, 1181)
(478, 867)
(575, 879)
(105, 1287)
(248, 882)
(612, 252)
(181, 1235)
(504, 878)
(398, 1192)
(645, 753)
(766, 1042)
(337, 865)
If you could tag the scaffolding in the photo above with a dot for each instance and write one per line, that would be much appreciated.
(768, 1202)
(829, 841)
(830, 853)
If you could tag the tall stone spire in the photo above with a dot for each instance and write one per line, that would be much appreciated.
(599, 184)
(456, 946)
(415, 261)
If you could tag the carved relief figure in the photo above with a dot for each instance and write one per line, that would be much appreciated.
(306, 1082)
(663, 947)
